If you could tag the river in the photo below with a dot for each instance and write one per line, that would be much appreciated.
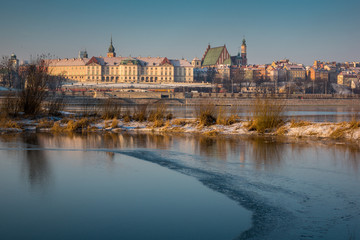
(136, 186)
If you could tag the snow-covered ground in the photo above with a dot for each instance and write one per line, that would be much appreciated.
(344, 130)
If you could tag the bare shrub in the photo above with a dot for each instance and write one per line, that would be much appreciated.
(221, 116)
(54, 106)
(35, 78)
(44, 123)
(110, 109)
(225, 117)
(57, 127)
(10, 106)
(267, 115)
(169, 116)
(127, 116)
(159, 113)
(158, 123)
(140, 113)
(206, 114)
(7, 123)
(88, 109)
(79, 125)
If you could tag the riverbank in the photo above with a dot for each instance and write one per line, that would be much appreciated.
(296, 129)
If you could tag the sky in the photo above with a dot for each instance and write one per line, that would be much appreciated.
(302, 31)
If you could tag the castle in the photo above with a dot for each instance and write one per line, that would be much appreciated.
(113, 69)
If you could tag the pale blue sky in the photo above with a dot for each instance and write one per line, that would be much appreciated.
(299, 30)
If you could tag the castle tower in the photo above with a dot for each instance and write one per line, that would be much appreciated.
(83, 54)
(14, 61)
(196, 63)
(111, 50)
(243, 52)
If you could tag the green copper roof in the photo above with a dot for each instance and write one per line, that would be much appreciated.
(227, 61)
(130, 61)
(212, 56)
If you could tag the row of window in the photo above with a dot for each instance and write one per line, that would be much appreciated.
(147, 79)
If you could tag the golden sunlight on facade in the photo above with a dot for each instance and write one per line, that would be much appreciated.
(112, 69)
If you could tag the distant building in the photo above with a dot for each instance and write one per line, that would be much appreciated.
(241, 58)
(348, 78)
(112, 69)
(243, 61)
(83, 54)
(14, 61)
(196, 63)
(213, 57)
(316, 74)
(295, 72)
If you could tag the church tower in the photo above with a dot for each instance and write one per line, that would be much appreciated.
(111, 50)
(243, 53)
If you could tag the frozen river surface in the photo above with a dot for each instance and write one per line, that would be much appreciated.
(144, 186)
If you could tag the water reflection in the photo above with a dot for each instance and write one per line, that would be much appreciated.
(263, 153)
(266, 153)
(36, 164)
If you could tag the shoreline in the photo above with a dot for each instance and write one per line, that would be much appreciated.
(341, 131)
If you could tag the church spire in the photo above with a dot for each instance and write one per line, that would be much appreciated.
(111, 50)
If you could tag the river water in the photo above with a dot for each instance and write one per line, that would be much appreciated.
(148, 186)
(307, 113)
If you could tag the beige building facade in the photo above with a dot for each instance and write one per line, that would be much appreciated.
(123, 70)
(112, 69)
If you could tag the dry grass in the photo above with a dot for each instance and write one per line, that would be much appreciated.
(158, 114)
(140, 113)
(114, 123)
(212, 133)
(7, 123)
(89, 109)
(301, 123)
(158, 123)
(267, 115)
(169, 116)
(57, 127)
(127, 116)
(227, 117)
(206, 114)
(44, 123)
(345, 127)
(281, 131)
(221, 116)
(179, 122)
(73, 126)
(110, 109)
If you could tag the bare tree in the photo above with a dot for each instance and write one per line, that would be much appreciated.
(35, 80)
